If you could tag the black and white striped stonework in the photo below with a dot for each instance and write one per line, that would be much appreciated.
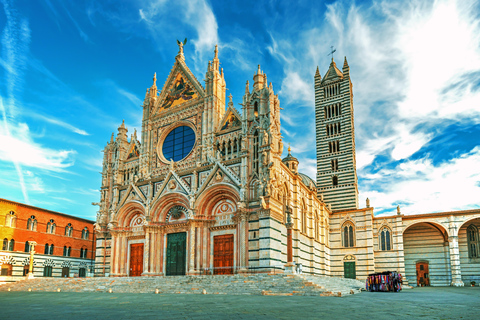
(335, 139)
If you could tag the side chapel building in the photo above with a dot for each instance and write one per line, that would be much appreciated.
(205, 190)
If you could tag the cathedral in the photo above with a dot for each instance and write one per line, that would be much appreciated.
(205, 190)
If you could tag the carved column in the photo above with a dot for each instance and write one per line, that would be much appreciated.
(289, 266)
(242, 229)
(113, 255)
(191, 260)
(455, 262)
(146, 253)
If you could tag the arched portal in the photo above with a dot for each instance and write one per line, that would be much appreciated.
(469, 247)
(426, 244)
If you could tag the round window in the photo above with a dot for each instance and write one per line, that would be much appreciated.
(178, 143)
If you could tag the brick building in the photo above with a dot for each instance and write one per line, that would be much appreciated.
(64, 243)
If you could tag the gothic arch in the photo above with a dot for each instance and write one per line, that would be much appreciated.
(127, 211)
(433, 224)
(211, 196)
(161, 207)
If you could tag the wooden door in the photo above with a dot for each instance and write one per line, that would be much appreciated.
(65, 272)
(136, 259)
(223, 254)
(176, 254)
(423, 278)
(349, 270)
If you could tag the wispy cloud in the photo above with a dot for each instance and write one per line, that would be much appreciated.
(58, 122)
(196, 14)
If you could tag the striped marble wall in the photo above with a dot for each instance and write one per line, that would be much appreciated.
(423, 242)
(470, 267)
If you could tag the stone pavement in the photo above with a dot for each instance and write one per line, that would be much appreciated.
(239, 284)
(424, 303)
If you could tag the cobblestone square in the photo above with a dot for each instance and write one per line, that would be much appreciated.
(424, 303)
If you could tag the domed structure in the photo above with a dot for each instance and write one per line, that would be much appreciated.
(290, 161)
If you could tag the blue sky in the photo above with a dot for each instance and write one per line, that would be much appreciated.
(72, 70)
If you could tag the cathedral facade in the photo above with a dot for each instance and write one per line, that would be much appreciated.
(206, 190)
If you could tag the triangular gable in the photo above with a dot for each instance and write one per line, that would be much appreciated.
(230, 120)
(219, 174)
(181, 86)
(134, 151)
(132, 193)
(333, 73)
(172, 183)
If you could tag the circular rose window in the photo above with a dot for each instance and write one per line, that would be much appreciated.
(178, 143)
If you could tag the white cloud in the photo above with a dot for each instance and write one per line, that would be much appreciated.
(58, 122)
(420, 186)
(195, 13)
(18, 147)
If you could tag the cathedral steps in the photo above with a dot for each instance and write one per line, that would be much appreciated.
(259, 284)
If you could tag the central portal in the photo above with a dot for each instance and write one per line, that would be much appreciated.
(223, 254)
(136, 259)
(176, 253)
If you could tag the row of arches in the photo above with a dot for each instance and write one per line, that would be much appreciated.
(333, 128)
(333, 110)
(229, 149)
(331, 90)
(52, 227)
(333, 146)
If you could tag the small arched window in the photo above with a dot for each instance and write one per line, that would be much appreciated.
(335, 180)
(68, 230)
(51, 249)
(11, 247)
(304, 218)
(384, 239)
(348, 235)
(32, 223)
(83, 253)
(11, 220)
(47, 248)
(51, 226)
(27, 246)
(255, 109)
(473, 242)
(5, 244)
(85, 233)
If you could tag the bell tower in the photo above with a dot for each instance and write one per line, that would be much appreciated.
(335, 138)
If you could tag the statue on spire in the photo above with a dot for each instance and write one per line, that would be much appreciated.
(180, 46)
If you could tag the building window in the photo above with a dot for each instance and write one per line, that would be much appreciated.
(6, 270)
(178, 143)
(255, 109)
(32, 224)
(83, 253)
(51, 226)
(255, 152)
(67, 251)
(47, 249)
(11, 220)
(11, 247)
(304, 219)
(27, 246)
(348, 235)
(334, 163)
(5, 244)
(47, 271)
(51, 249)
(85, 233)
(68, 230)
(335, 180)
(473, 242)
(384, 239)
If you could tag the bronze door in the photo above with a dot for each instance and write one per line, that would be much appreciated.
(136, 259)
(223, 254)
(176, 254)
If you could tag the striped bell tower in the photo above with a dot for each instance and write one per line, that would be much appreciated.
(335, 137)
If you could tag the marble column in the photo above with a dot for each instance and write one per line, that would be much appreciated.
(289, 266)
(455, 262)
(241, 246)
(146, 253)
(191, 259)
